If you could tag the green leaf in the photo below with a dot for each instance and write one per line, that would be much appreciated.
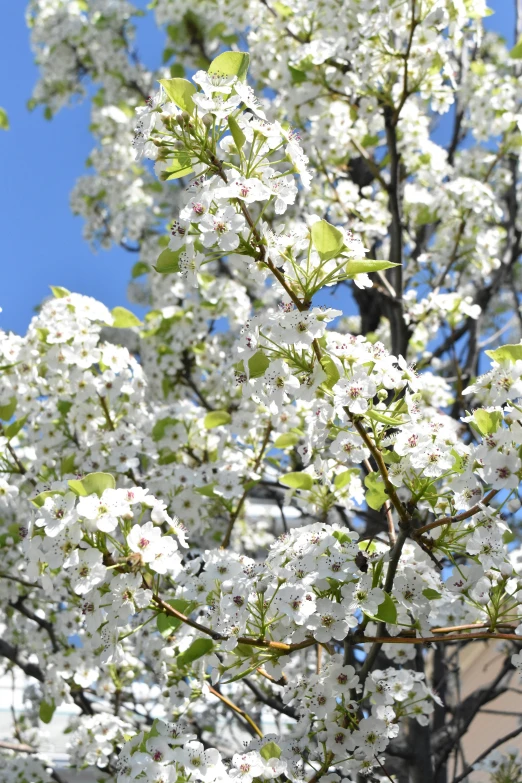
(369, 140)
(177, 70)
(216, 419)
(14, 428)
(158, 430)
(166, 624)
(92, 484)
(327, 240)
(358, 267)
(237, 134)
(296, 76)
(123, 318)
(431, 594)
(168, 261)
(207, 491)
(391, 421)
(506, 353)
(64, 406)
(59, 292)
(516, 51)
(387, 611)
(231, 64)
(343, 479)
(270, 751)
(180, 167)
(68, 464)
(424, 214)
(486, 422)
(286, 440)
(258, 364)
(6, 411)
(283, 10)
(140, 268)
(4, 119)
(390, 457)
(180, 92)
(297, 480)
(331, 370)
(46, 711)
(376, 495)
(40, 499)
(197, 649)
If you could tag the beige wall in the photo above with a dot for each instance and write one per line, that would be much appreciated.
(479, 663)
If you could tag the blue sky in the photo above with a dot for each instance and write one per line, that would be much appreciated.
(41, 241)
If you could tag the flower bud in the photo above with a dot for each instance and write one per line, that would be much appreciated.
(207, 120)
(382, 394)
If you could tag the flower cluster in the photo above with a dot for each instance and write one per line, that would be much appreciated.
(252, 511)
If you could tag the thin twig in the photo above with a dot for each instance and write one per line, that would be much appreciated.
(458, 517)
(494, 746)
(253, 725)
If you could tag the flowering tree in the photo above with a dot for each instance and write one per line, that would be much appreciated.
(246, 538)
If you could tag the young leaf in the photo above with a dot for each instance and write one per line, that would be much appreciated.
(46, 711)
(198, 648)
(59, 292)
(180, 92)
(257, 365)
(40, 499)
(486, 422)
(140, 268)
(92, 484)
(506, 353)
(343, 479)
(331, 370)
(123, 318)
(231, 64)
(168, 261)
(14, 428)
(216, 419)
(376, 495)
(391, 421)
(516, 51)
(297, 481)
(327, 240)
(4, 120)
(286, 440)
(387, 611)
(180, 167)
(6, 411)
(237, 134)
(158, 430)
(270, 751)
(166, 624)
(296, 76)
(431, 594)
(358, 267)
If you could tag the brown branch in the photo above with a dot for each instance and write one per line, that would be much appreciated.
(458, 517)
(270, 701)
(47, 626)
(11, 653)
(17, 747)
(262, 643)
